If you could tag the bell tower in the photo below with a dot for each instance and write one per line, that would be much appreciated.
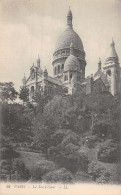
(112, 70)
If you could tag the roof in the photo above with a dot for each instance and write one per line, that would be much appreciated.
(69, 14)
(54, 80)
(100, 74)
(112, 52)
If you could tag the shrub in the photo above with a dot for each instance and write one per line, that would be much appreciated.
(70, 138)
(53, 152)
(42, 168)
(61, 175)
(22, 173)
(83, 160)
(82, 177)
(108, 152)
(7, 153)
(5, 165)
(91, 141)
(98, 172)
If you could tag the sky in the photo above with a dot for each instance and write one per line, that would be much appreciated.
(32, 27)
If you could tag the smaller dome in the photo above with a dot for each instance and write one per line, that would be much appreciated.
(71, 63)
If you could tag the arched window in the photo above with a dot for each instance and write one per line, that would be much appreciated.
(109, 72)
(65, 77)
(32, 91)
(38, 88)
(58, 69)
(32, 74)
(71, 76)
(55, 71)
(62, 66)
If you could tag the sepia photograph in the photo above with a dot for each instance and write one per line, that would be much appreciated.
(60, 93)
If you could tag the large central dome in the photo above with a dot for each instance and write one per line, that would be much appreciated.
(63, 50)
(66, 38)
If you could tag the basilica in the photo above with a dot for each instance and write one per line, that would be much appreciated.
(69, 66)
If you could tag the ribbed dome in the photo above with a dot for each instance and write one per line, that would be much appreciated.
(71, 63)
(65, 39)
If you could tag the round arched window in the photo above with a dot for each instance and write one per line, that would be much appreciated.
(109, 72)
(71, 76)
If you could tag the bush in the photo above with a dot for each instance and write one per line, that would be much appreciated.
(5, 165)
(108, 152)
(91, 141)
(42, 168)
(71, 137)
(83, 177)
(98, 172)
(22, 173)
(83, 159)
(8, 153)
(61, 175)
(53, 152)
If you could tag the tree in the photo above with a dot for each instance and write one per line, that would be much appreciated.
(41, 98)
(24, 94)
(42, 134)
(7, 91)
(54, 112)
(16, 122)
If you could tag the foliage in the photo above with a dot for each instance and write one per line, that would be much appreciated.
(66, 152)
(8, 153)
(41, 168)
(22, 173)
(98, 172)
(7, 91)
(71, 137)
(41, 98)
(83, 160)
(108, 152)
(42, 134)
(61, 175)
(15, 120)
(24, 94)
(54, 112)
(91, 141)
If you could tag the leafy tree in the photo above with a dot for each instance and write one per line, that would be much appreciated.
(42, 133)
(24, 94)
(54, 112)
(15, 122)
(7, 91)
(41, 98)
